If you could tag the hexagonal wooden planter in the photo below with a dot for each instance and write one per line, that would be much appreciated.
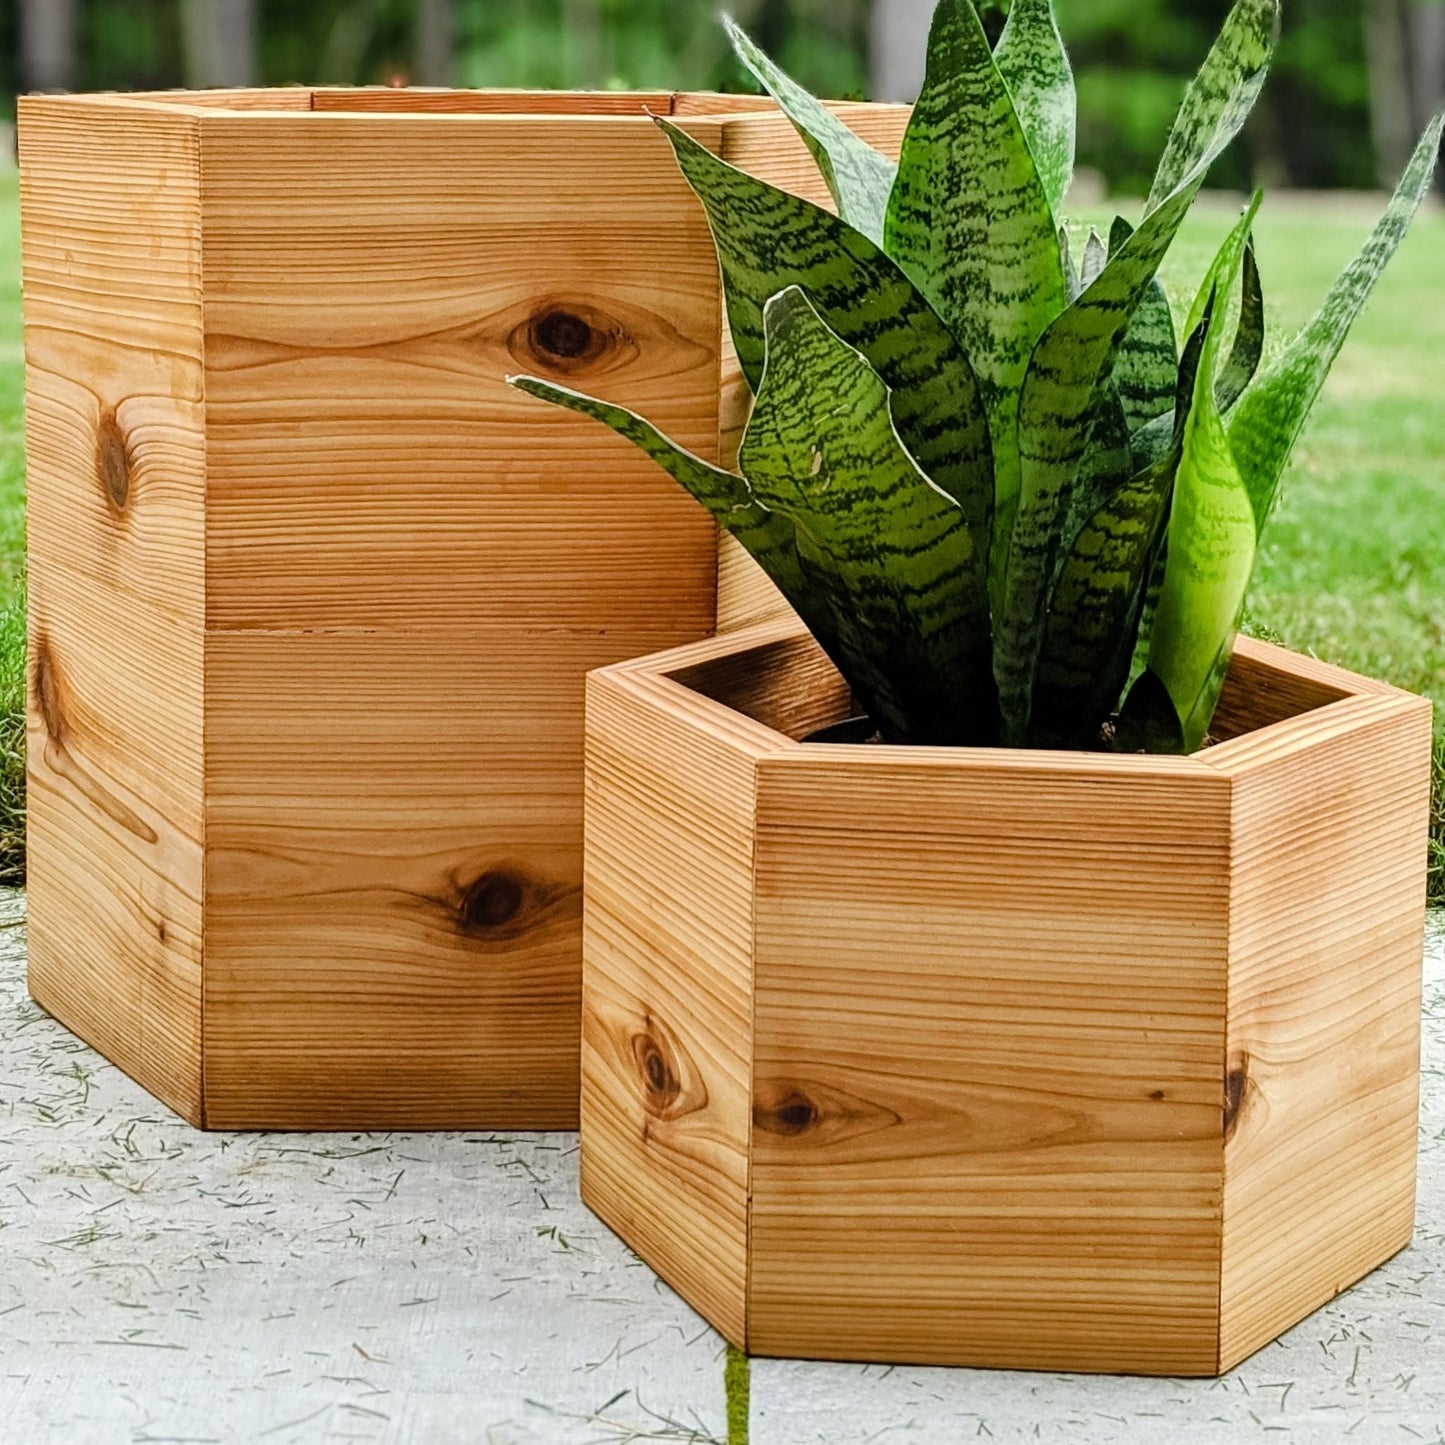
(313, 592)
(1040, 1060)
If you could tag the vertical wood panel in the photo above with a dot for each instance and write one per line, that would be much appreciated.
(666, 1035)
(988, 1004)
(116, 458)
(1326, 918)
(402, 543)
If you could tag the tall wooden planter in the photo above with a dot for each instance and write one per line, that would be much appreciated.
(313, 592)
(971, 1056)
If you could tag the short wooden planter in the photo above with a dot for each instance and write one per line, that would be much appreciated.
(1039, 1060)
(313, 592)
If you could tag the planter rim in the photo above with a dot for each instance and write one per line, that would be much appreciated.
(1302, 700)
(428, 103)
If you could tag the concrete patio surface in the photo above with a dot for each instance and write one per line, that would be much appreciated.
(161, 1285)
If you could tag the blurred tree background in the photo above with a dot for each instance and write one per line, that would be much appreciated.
(1354, 82)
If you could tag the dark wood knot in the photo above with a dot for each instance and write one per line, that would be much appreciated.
(793, 1113)
(571, 337)
(491, 900)
(671, 1085)
(505, 902)
(48, 691)
(661, 1081)
(113, 460)
(563, 334)
(1236, 1086)
(820, 1114)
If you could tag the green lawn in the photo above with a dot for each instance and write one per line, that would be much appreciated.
(1353, 567)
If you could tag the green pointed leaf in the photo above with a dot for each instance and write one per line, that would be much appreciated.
(1056, 417)
(1211, 549)
(1221, 95)
(1244, 356)
(1089, 638)
(891, 551)
(1108, 461)
(768, 240)
(1095, 256)
(1146, 370)
(1153, 421)
(1272, 412)
(768, 536)
(1120, 230)
(1173, 444)
(1031, 58)
(1147, 364)
(970, 223)
(1095, 610)
(858, 177)
(1080, 349)
(1218, 280)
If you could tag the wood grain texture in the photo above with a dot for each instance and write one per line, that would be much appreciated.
(988, 1016)
(482, 551)
(766, 145)
(1322, 1081)
(357, 349)
(419, 100)
(666, 1068)
(115, 440)
(394, 881)
(1055, 1061)
(279, 97)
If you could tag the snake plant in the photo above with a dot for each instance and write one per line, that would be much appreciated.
(1011, 501)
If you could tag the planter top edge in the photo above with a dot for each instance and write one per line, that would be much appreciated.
(773, 678)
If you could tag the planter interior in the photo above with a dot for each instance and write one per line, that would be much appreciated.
(972, 1056)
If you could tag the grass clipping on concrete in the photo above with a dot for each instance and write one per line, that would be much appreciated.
(12, 741)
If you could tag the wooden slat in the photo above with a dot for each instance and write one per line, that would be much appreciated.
(114, 402)
(394, 880)
(989, 1015)
(712, 102)
(357, 345)
(421, 100)
(666, 1062)
(400, 541)
(278, 97)
(1326, 916)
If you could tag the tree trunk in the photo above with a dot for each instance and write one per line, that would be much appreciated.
(48, 55)
(435, 42)
(898, 38)
(1385, 55)
(1427, 61)
(220, 42)
(582, 25)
